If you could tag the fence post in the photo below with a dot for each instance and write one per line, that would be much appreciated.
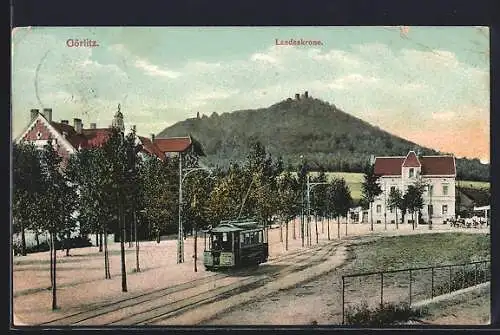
(410, 287)
(432, 282)
(449, 282)
(381, 289)
(343, 300)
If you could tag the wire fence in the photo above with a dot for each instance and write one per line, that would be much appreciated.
(411, 284)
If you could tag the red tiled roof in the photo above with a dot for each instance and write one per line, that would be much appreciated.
(431, 165)
(174, 144)
(438, 165)
(388, 166)
(150, 147)
(411, 160)
(95, 137)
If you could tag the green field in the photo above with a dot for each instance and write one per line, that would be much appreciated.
(399, 252)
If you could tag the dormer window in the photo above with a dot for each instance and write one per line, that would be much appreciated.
(411, 172)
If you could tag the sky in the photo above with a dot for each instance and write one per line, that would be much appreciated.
(430, 85)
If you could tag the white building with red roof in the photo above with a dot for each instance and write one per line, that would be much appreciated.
(68, 139)
(438, 173)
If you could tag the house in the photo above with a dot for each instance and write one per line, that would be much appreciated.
(68, 139)
(437, 173)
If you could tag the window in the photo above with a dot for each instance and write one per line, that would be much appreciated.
(224, 237)
(39, 135)
(393, 188)
(431, 210)
(445, 209)
(379, 208)
(431, 189)
(445, 189)
(411, 172)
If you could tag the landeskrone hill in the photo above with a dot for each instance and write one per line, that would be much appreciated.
(326, 136)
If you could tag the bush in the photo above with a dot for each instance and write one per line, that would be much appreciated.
(74, 242)
(463, 279)
(383, 315)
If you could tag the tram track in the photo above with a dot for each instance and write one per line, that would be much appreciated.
(168, 302)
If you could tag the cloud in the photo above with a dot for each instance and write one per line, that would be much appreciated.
(154, 70)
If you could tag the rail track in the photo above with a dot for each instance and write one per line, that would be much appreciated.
(168, 302)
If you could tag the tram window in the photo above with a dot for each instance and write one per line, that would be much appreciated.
(260, 237)
(224, 237)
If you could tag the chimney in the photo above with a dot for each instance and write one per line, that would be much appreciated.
(134, 128)
(34, 114)
(297, 96)
(152, 137)
(93, 126)
(306, 94)
(77, 124)
(64, 121)
(47, 112)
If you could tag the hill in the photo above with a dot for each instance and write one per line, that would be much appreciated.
(326, 136)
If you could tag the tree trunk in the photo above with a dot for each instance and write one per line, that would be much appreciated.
(397, 219)
(346, 219)
(294, 233)
(328, 227)
(51, 246)
(322, 225)
(54, 292)
(371, 216)
(67, 243)
(100, 242)
(137, 268)
(286, 236)
(158, 236)
(316, 227)
(413, 220)
(130, 234)
(37, 238)
(338, 226)
(302, 228)
(195, 247)
(281, 232)
(23, 239)
(122, 249)
(107, 272)
(97, 239)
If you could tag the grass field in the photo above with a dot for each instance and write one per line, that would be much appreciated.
(398, 252)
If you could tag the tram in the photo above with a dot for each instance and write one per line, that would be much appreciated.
(234, 244)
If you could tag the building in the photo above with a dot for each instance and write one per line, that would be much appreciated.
(68, 139)
(437, 173)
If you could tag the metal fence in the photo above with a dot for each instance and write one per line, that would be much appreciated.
(412, 284)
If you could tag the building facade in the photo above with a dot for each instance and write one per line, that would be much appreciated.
(436, 173)
(68, 139)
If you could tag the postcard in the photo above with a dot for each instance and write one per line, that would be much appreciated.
(198, 176)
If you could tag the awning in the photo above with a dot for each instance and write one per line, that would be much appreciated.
(482, 208)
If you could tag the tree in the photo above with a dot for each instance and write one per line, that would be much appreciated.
(342, 201)
(56, 205)
(27, 188)
(370, 188)
(320, 199)
(413, 199)
(196, 210)
(287, 196)
(395, 202)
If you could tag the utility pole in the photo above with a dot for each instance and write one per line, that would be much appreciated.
(180, 239)
(309, 188)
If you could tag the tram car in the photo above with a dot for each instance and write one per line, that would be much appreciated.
(235, 244)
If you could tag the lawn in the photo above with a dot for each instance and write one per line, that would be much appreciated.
(399, 252)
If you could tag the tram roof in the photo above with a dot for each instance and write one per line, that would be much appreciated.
(235, 226)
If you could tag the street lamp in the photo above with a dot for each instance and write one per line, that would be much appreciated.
(180, 232)
(309, 188)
